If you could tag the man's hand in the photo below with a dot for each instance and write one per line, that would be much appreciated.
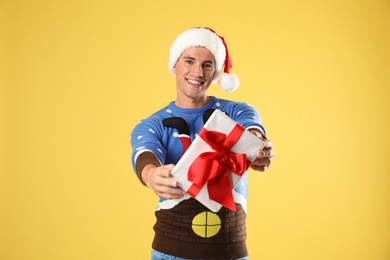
(264, 157)
(160, 181)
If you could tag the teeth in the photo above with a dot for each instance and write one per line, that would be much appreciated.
(194, 82)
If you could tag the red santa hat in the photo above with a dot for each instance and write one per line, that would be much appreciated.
(207, 38)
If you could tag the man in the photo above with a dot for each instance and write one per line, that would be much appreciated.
(185, 229)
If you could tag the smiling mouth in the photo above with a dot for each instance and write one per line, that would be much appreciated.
(195, 82)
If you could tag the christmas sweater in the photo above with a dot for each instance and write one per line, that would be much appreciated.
(184, 227)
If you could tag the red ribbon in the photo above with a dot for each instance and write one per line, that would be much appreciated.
(213, 167)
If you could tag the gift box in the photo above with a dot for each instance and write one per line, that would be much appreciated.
(216, 160)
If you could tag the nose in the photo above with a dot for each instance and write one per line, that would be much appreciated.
(199, 71)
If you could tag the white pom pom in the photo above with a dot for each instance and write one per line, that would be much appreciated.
(228, 82)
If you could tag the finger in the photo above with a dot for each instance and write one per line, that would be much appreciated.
(170, 196)
(171, 183)
(262, 161)
(268, 144)
(168, 167)
(256, 133)
(165, 181)
(260, 168)
(267, 153)
(166, 170)
(170, 193)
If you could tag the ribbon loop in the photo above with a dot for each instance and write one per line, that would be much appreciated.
(213, 167)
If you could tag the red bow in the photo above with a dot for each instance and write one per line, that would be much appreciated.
(213, 167)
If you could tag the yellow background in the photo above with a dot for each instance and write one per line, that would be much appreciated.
(76, 76)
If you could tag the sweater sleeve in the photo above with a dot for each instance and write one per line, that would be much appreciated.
(146, 144)
(142, 160)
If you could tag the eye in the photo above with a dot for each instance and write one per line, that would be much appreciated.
(208, 66)
(188, 61)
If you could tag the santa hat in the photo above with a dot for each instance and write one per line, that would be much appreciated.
(206, 37)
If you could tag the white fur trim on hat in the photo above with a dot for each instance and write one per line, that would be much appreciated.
(204, 37)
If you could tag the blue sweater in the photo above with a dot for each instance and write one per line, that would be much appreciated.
(167, 133)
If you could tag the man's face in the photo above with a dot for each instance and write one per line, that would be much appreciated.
(195, 71)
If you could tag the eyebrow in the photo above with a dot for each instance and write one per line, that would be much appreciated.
(192, 58)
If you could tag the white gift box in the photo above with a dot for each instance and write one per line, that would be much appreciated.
(244, 143)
